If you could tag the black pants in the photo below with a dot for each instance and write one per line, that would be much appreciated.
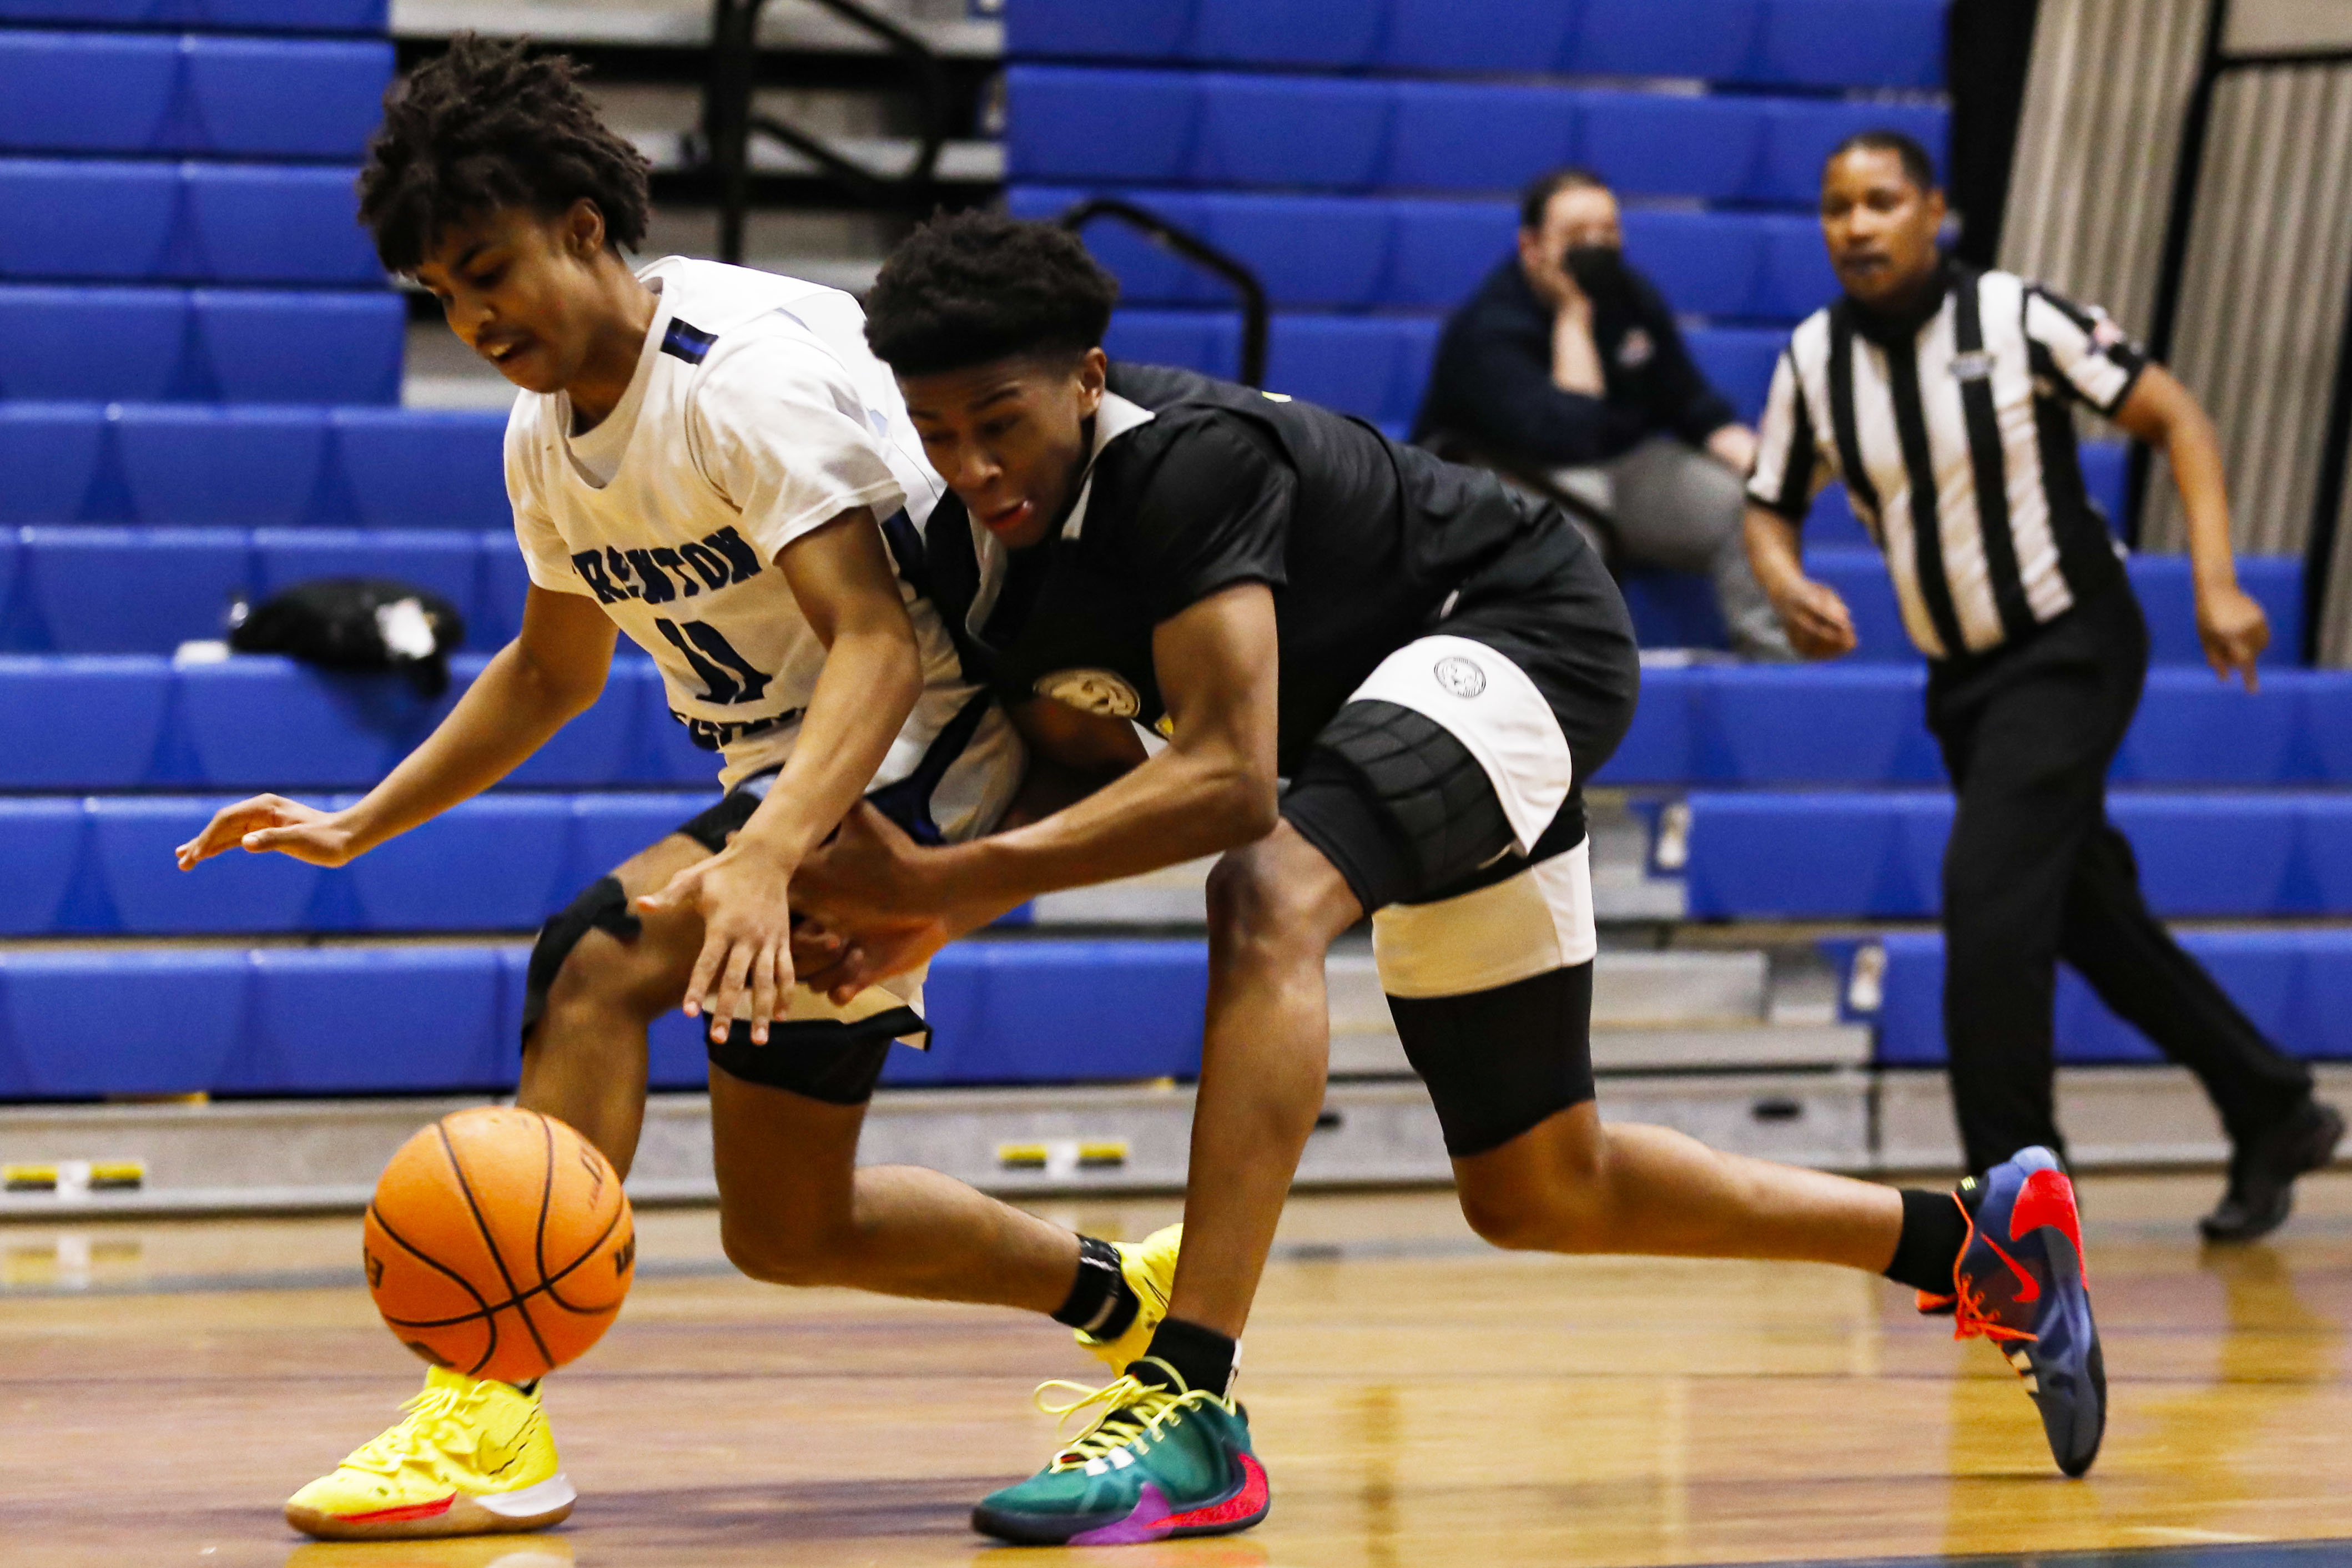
(2035, 873)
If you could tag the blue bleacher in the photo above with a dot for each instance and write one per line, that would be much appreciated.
(1863, 725)
(1788, 43)
(1761, 854)
(194, 96)
(2295, 985)
(196, 223)
(68, 343)
(223, 15)
(420, 1018)
(1215, 130)
(278, 467)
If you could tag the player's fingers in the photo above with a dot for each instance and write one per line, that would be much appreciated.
(734, 980)
(680, 891)
(706, 971)
(763, 992)
(230, 824)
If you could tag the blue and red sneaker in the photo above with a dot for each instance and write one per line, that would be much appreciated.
(1163, 1461)
(2019, 1283)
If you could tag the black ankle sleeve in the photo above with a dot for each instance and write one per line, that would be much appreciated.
(1934, 1231)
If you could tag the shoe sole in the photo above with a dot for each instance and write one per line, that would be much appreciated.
(539, 1507)
(2071, 1448)
(1150, 1520)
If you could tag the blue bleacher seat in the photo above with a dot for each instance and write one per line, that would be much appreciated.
(1706, 264)
(265, 723)
(1033, 1011)
(506, 584)
(1481, 35)
(130, 590)
(68, 344)
(1086, 30)
(2167, 596)
(40, 852)
(132, 840)
(607, 829)
(84, 93)
(2106, 473)
(2192, 728)
(1798, 134)
(1204, 340)
(1738, 360)
(1321, 251)
(88, 218)
(82, 723)
(493, 863)
(48, 456)
(277, 98)
(1795, 279)
(81, 1024)
(2293, 984)
(1147, 275)
(1671, 609)
(1068, 123)
(1462, 136)
(1439, 252)
(1672, 144)
(1850, 43)
(1325, 33)
(1710, 40)
(446, 563)
(1299, 132)
(227, 15)
(627, 734)
(282, 346)
(256, 466)
(424, 468)
(375, 1020)
(1351, 363)
(275, 224)
(1846, 724)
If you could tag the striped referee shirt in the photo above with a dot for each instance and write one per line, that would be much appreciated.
(1953, 439)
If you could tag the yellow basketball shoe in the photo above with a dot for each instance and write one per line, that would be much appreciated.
(1149, 1267)
(471, 1458)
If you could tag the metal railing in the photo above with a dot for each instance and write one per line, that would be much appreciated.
(730, 121)
(1201, 253)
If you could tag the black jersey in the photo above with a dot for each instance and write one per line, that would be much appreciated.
(1196, 485)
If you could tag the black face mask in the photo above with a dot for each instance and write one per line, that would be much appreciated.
(1599, 270)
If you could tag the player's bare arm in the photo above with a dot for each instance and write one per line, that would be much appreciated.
(1818, 624)
(552, 672)
(2230, 622)
(841, 575)
(1212, 789)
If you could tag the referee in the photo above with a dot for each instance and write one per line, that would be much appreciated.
(1938, 394)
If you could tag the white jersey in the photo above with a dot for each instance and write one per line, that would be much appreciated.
(757, 414)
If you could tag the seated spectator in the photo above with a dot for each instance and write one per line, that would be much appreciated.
(1566, 369)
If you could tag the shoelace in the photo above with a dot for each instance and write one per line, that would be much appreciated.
(1970, 1319)
(428, 1418)
(1130, 1409)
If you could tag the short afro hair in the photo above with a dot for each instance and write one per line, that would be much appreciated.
(970, 287)
(1918, 164)
(489, 125)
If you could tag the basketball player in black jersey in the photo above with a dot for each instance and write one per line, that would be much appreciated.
(1434, 665)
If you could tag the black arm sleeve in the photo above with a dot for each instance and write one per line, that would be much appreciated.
(1216, 513)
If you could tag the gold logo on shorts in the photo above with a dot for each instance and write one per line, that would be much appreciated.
(1460, 676)
(1104, 692)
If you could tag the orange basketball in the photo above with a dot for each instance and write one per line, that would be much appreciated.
(500, 1244)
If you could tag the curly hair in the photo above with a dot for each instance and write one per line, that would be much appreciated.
(969, 287)
(490, 125)
(1918, 163)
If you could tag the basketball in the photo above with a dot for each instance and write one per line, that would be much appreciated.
(500, 1244)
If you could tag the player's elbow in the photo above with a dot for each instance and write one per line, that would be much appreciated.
(1242, 801)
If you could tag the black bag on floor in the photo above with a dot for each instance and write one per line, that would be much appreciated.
(358, 623)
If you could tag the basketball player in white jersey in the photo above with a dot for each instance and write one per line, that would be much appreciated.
(709, 459)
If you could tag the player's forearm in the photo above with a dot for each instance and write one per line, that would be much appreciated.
(511, 710)
(1773, 552)
(871, 681)
(1175, 807)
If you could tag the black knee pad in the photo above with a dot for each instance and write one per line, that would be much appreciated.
(1440, 818)
(829, 1060)
(1498, 1062)
(603, 907)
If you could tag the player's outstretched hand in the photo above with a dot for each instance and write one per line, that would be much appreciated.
(743, 898)
(273, 823)
(870, 871)
(2232, 625)
(1820, 626)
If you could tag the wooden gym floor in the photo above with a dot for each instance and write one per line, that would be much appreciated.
(1422, 1402)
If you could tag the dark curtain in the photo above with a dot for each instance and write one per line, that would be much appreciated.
(1989, 45)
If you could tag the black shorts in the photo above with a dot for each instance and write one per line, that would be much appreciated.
(1481, 896)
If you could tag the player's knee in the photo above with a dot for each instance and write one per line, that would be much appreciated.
(797, 1250)
(607, 976)
(1554, 1195)
(1254, 906)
